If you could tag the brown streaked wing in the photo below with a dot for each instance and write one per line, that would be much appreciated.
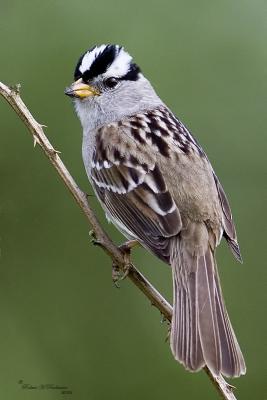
(151, 229)
(136, 197)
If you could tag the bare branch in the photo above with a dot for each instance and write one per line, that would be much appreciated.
(12, 96)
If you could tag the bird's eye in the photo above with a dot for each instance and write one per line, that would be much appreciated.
(111, 82)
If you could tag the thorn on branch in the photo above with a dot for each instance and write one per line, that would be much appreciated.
(230, 387)
(53, 153)
(15, 89)
(163, 319)
(94, 240)
(92, 234)
(167, 338)
(35, 140)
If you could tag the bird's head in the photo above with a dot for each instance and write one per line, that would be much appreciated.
(107, 82)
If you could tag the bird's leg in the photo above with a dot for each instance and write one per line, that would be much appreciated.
(128, 246)
(117, 274)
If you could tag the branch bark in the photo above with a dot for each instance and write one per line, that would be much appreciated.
(12, 96)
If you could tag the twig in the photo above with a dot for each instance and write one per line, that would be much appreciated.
(12, 96)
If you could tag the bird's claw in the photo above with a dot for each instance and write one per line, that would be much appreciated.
(118, 274)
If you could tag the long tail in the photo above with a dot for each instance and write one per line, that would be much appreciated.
(201, 332)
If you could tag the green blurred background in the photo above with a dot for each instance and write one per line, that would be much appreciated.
(62, 320)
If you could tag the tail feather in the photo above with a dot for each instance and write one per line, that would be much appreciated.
(201, 332)
(233, 364)
(208, 326)
(195, 361)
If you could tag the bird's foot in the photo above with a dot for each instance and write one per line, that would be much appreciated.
(119, 274)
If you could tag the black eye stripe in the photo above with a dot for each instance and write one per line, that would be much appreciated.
(132, 74)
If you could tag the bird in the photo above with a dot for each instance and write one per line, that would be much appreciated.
(157, 186)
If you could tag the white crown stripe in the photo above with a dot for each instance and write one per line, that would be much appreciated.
(90, 57)
(118, 68)
(120, 65)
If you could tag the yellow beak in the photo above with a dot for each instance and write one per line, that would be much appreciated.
(81, 90)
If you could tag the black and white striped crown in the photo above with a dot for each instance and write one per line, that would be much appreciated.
(107, 60)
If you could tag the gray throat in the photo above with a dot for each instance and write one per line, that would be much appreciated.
(133, 98)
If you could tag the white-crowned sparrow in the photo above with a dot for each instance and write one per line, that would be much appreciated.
(156, 185)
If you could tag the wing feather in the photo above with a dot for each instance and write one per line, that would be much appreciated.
(228, 223)
(134, 195)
